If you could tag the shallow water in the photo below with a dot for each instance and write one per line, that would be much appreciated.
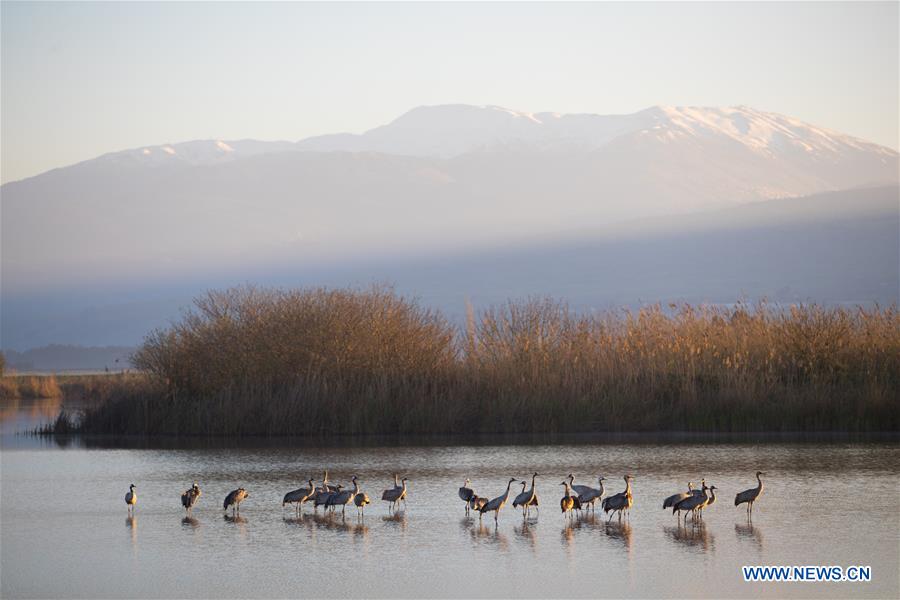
(66, 533)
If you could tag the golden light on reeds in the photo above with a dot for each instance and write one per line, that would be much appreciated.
(258, 361)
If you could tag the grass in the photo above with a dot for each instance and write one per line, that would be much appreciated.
(250, 361)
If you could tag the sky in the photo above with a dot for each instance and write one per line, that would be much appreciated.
(82, 79)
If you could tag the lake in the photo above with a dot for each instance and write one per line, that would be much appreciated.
(66, 531)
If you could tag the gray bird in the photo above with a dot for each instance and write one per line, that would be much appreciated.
(395, 494)
(323, 492)
(190, 496)
(476, 503)
(343, 498)
(692, 503)
(323, 496)
(619, 502)
(360, 499)
(710, 502)
(131, 498)
(497, 503)
(234, 499)
(676, 498)
(588, 495)
(750, 496)
(327, 486)
(567, 502)
(466, 493)
(299, 496)
(527, 499)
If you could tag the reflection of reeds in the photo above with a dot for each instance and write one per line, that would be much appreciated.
(252, 361)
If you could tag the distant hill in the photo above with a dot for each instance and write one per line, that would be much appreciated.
(70, 358)
(832, 248)
(438, 178)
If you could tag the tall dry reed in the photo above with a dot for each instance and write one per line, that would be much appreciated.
(252, 361)
(28, 386)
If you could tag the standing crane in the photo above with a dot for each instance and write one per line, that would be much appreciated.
(323, 492)
(750, 496)
(676, 498)
(323, 496)
(343, 498)
(692, 503)
(710, 502)
(299, 496)
(131, 498)
(234, 499)
(360, 499)
(327, 486)
(567, 502)
(466, 493)
(586, 494)
(526, 499)
(395, 494)
(619, 502)
(190, 496)
(497, 503)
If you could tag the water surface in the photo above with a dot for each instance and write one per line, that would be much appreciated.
(66, 533)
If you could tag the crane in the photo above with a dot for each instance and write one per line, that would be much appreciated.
(750, 496)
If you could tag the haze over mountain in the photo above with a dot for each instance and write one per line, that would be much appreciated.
(440, 182)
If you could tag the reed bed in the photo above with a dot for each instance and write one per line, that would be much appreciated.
(28, 386)
(252, 361)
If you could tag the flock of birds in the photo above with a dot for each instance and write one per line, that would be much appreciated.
(584, 497)
(575, 498)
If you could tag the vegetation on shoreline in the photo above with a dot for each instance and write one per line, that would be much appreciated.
(250, 361)
(28, 386)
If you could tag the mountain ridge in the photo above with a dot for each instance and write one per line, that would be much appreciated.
(587, 130)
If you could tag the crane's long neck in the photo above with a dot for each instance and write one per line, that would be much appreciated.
(712, 495)
(533, 477)
(627, 486)
(355, 487)
(760, 486)
(396, 481)
(568, 493)
(601, 486)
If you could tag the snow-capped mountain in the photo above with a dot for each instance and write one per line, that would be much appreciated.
(197, 152)
(505, 188)
(450, 130)
(764, 155)
(447, 131)
(436, 178)
(715, 155)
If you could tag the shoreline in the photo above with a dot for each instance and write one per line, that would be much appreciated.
(638, 438)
